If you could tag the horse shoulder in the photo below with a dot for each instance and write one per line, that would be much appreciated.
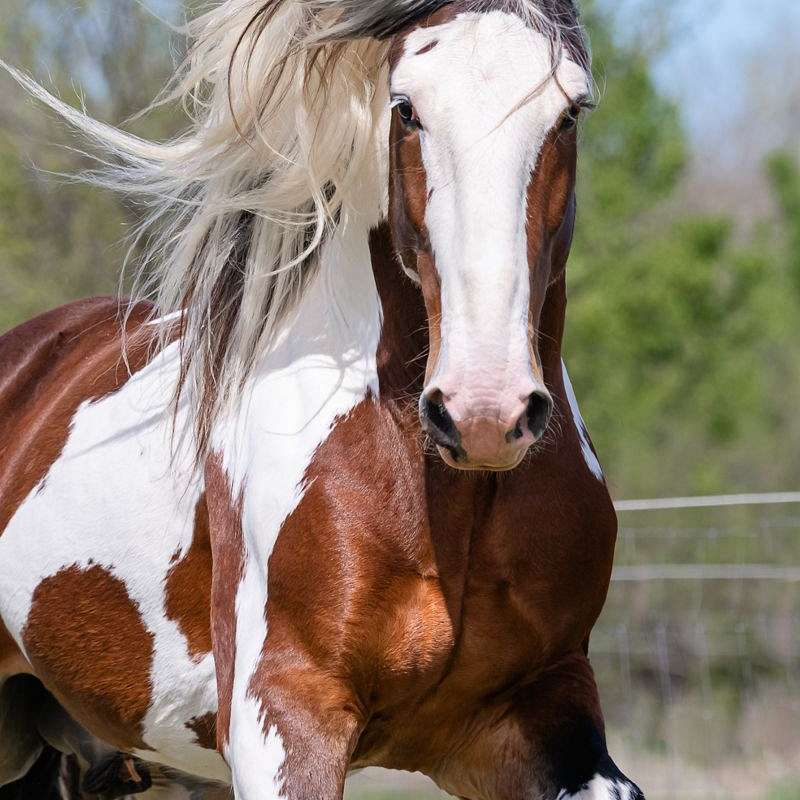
(49, 366)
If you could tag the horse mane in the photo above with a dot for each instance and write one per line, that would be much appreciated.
(284, 99)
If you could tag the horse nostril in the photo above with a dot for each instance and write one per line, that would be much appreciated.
(438, 424)
(516, 432)
(540, 408)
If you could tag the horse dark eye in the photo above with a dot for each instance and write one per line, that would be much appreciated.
(406, 112)
(569, 120)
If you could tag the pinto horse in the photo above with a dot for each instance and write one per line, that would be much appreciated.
(329, 502)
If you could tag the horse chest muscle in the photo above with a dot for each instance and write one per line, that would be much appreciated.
(433, 583)
(436, 594)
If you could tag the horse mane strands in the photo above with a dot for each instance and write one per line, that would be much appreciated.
(284, 99)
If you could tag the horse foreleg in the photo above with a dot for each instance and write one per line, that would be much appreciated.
(292, 726)
(20, 743)
(546, 743)
(286, 726)
(298, 743)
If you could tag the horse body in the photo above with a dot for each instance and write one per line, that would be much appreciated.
(402, 597)
(324, 590)
(107, 522)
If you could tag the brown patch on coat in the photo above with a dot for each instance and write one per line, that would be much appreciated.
(550, 221)
(427, 48)
(408, 202)
(87, 642)
(205, 730)
(188, 587)
(50, 365)
(403, 344)
(227, 549)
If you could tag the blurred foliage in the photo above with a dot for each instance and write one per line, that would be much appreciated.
(680, 339)
(786, 790)
(59, 239)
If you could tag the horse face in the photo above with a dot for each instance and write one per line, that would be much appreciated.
(481, 204)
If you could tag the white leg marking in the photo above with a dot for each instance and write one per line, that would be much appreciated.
(602, 788)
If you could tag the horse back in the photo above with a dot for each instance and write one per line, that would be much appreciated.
(48, 367)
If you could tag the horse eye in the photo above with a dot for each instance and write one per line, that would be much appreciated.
(406, 112)
(570, 119)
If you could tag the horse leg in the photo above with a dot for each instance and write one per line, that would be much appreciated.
(562, 719)
(286, 726)
(108, 773)
(293, 736)
(546, 743)
(20, 743)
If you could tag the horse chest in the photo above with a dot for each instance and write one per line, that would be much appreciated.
(485, 626)
(454, 638)
(425, 585)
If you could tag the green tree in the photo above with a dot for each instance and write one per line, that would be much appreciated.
(59, 239)
(671, 320)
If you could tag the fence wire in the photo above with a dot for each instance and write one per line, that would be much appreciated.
(697, 651)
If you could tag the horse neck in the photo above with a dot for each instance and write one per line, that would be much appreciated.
(472, 499)
(403, 346)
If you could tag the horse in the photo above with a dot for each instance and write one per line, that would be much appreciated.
(69, 763)
(319, 496)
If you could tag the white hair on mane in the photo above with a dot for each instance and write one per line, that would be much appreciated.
(285, 98)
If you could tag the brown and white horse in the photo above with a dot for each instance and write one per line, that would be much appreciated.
(328, 591)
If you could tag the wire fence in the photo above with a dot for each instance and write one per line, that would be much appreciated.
(697, 652)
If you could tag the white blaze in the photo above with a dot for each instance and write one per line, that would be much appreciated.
(480, 143)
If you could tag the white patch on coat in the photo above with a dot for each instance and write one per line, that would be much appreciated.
(602, 788)
(586, 448)
(480, 141)
(115, 499)
(322, 366)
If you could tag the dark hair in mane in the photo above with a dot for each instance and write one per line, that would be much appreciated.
(383, 18)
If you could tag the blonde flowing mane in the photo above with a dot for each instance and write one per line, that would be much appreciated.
(284, 98)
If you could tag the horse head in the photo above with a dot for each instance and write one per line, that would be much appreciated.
(481, 206)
